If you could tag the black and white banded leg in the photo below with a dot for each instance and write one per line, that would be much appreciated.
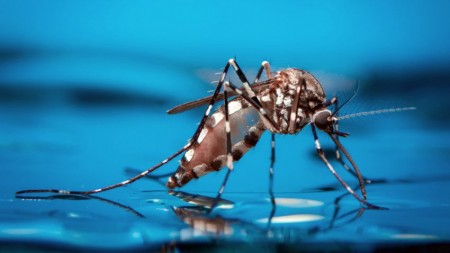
(257, 105)
(229, 146)
(333, 171)
(264, 66)
(255, 102)
(339, 157)
(334, 101)
(146, 172)
(261, 110)
(248, 93)
(339, 148)
(271, 175)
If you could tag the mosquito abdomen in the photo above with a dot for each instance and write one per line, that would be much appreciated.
(210, 152)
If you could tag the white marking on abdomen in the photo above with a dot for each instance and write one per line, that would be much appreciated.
(200, 170)
(202, 135)
(216, 118)
(234, 106)
(189, 154)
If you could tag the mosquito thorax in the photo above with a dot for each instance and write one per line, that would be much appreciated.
(292, 97)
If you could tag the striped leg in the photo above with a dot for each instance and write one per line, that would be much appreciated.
(229, 146)
(144, 173)
(327, 163)
(355, 171)
(229, 86)
(244, 80)
(334, 101)
(271, 174)
(264, 66)
(248, 89)
(261, 110)
(272, 162)
(128, 181)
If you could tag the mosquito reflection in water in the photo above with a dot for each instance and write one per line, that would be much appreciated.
(216, 225)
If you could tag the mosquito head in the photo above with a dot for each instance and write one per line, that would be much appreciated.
(324, 120)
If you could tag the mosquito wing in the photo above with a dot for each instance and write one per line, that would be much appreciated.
(196, 103)
(202, 101)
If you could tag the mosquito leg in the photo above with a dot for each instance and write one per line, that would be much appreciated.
(335, 102)
(358, 172)
(243, 79)
(228, 128)
(355, 172)
(247, 88)
(271, 174)
(191, 142)
(133, 171)
(261, 110)
(264, 66)
(229, 146)
(257, 106)
(272, 162)
(343, 183)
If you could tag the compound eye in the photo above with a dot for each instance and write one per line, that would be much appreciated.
(323, 120)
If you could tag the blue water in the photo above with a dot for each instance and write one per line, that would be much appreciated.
(84, 90)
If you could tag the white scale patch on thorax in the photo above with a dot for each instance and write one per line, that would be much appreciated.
(266, 98)
(280, 97)
(284, 113)
(300, 113)
(287, 101)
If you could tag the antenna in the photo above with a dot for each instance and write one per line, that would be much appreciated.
(374, 112)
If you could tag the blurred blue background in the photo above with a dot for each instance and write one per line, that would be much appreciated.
(84, 86)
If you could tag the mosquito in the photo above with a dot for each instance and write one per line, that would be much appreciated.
(285, 103)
